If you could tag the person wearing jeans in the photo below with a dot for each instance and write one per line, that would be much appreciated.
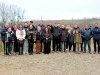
(87, 35)
(63, 37)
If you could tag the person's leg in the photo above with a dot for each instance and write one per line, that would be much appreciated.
(60, 46)
(18, 46)
(4, 47)
(70, 46)
(89, 47)
(48, 48)
(76, 48)
(94, 45)
(53, 43)
(22, 47)
(82, 45)
(85, 42)
(98, 46)
(29, 43)
(39, 47)
(65, 45)
(45, 44)
(57, 44)
(32, 43)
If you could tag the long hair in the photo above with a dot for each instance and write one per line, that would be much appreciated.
(19, 26)
(48, 30)
(78, 33)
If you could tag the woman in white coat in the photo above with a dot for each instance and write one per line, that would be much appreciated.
(20, 34)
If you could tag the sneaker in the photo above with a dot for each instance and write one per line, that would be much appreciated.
(66, 49)
(98, 52)
(23, 53)
(84, 52)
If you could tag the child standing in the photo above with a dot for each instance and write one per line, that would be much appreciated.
(77, 41)
(9, 40)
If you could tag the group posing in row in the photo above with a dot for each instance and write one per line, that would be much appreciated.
(21, 38)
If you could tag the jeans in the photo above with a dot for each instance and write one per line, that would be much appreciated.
(85, 43)
(61, 45)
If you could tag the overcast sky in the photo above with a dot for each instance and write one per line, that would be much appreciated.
(58, 9)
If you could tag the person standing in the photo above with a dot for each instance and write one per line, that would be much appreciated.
(77, 40)
(14, 29)
(96, 37)
(87, 35)
(46, 40)
(31, 35)
(56, 33)
(20, 34)
(42, 30)
(9, 39)
(78, 29)
(26, 27)
(4, 30)
(38, 40)
(81, 31)
(63, 38)
(71, 39)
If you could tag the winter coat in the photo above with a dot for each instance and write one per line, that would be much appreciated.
(64, 35)
(71, 38)
(31, 35)
(3, 33)
(77, 38)
(56, 32)
(18, 35)
(87, 34)
(46, 35)
(96, 33)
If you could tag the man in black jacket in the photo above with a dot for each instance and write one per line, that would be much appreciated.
(56, 33)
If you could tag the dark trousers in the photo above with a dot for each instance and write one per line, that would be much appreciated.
(55, 43)
(70, 46)
(20, 46)
(9, 47)
(98, 42)
(46, 48)
(5, 47)
(15, 45)
(82, 45)
(30, 43)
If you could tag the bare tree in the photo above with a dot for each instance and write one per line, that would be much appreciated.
(11, 13)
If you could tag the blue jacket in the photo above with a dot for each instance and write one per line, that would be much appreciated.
(87, 34)
(78, 29)
(56, 31)
(71, 38)
(3, 33)
(96, 33)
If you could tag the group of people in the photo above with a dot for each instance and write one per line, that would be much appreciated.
(57, 38)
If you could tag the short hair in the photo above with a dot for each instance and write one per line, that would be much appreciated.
(31, 21)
